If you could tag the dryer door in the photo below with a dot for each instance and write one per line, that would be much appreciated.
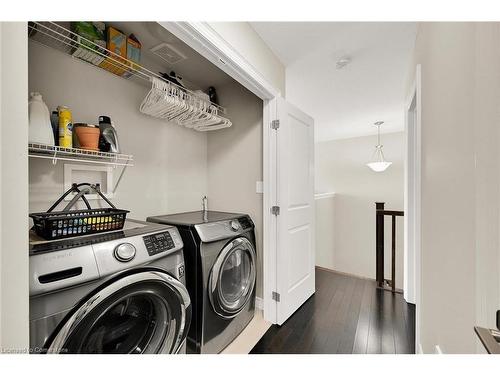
(139, 311)
(232, 278)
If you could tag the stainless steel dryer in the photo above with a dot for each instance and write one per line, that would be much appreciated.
(221, 263)
(119, 292)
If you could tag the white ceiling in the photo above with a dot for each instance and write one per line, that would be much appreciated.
(344, 103)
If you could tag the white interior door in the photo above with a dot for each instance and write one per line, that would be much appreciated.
(295, 222)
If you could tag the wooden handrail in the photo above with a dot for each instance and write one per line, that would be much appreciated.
(380, 275)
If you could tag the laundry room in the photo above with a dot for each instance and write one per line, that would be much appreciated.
(161, 165)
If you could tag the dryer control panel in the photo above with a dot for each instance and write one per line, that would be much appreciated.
(219, 230)
(158, 243)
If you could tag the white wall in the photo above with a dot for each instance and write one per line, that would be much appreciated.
(170, 162)
(341, 168)
(243, 38)
(460, 182)
(13, 187)
(325, 229)
(235, 161)
(487, 182)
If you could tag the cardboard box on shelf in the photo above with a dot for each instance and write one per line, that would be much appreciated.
(116, 43)
(133, 54)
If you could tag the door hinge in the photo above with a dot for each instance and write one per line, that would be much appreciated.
(276, 296)
(275, 124)
(275, 210)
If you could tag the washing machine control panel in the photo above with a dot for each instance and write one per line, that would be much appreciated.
(135, 250)
(158, 243)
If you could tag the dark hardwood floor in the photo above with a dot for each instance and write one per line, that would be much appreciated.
(345, 315)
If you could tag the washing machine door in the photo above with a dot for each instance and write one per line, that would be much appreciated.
(141, 311)
(232, 278)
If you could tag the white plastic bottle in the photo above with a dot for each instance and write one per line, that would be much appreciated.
(40, 128)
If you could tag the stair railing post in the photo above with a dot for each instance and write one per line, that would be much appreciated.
(379, 206)
(393, 261)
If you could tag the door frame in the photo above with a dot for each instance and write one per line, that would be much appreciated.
(210, 44)
(413, 193)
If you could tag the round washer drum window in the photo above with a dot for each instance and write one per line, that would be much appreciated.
(235, 277)
(143, 312)
(232, 278)
(134, 324)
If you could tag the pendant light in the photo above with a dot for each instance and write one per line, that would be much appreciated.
(378, 163)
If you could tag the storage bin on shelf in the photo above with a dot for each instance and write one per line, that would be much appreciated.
(90, 41)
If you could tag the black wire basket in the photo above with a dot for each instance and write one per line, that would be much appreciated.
(70, 223)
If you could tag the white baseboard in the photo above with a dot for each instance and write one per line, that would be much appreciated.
(259, 303)
(420, 350)
(437, 350)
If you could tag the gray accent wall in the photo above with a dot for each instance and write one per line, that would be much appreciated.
(170, 162)
(235, 161)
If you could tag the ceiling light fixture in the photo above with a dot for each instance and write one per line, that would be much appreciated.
(342, 62)
(379, 164)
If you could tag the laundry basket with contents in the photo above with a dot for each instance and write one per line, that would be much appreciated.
(52, 225)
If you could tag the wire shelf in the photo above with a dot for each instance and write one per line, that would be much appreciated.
(38, 150)
(59, 37)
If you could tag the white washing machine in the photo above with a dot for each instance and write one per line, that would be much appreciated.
(118, 292)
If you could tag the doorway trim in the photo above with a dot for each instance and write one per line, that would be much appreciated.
(412, 198)
(206, 41)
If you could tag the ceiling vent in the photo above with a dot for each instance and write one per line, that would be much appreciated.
(168, 53)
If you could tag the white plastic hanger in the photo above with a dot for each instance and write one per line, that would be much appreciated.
(167, 101)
